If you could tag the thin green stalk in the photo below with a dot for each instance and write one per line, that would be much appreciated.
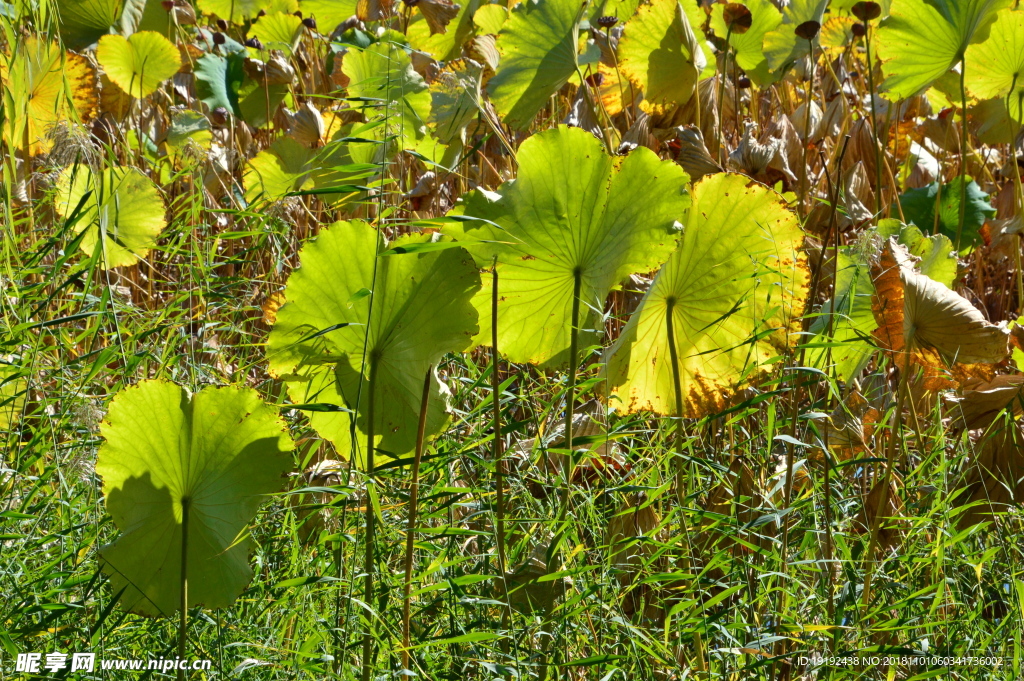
(186, 504)
(370, 525)
(677, 386)
(410, 531)
(807, 130)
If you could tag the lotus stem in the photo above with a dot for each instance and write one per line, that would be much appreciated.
(496, 444)
(183, 610)
(410, 532)
(807, 128)
(874, 121)
(370, 525)
(570, 397)
(677, 446)
(963, 153)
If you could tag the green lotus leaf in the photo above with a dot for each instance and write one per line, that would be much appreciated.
(538, 46)
(573, 210)
(456, 99)
(938, 208)
(448, 45)
(188, 130)
(281, 168)
(221, 82)
(237, 11)
(623, 9)
(489, 19)
(782, 46)
(146, 15)
(850, 346)
(735, 287)
(996, 66)
(287, 166)
(923, 39)
(384, 74)
(12, 391)
(120, 206)
(765, 17)
(661, 53)
(217, 453)
(421, 310)
(82, 22)
(140, 63)
(328, 13)
(278, 31)
(218, 80)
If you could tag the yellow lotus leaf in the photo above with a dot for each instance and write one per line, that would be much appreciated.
(734, 289)
(922, 322)
(42, 85)
(140, 63)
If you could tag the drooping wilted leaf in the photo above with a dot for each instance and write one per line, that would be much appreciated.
(923, 39)
(120, 207)
(938, 207)
(538, 46)
(324, 342)
(842, 331)
(456, 99)
(924, 323)
(217, 453)
(140, 63)
(660, 52)
(992, 478)
(572, 209)
(734, 288)
(981, 402)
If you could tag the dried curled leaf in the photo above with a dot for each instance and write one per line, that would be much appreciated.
(995, 478)
(923, 322)
(982, 401)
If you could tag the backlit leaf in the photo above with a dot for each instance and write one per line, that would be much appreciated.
(573, 208)
(420, 310)
(220, 451)
(139, 64)
(735, 287)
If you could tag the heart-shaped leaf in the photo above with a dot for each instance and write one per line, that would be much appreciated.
(140, 63)
(216, 455)
(734, 289)
(573, 210)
